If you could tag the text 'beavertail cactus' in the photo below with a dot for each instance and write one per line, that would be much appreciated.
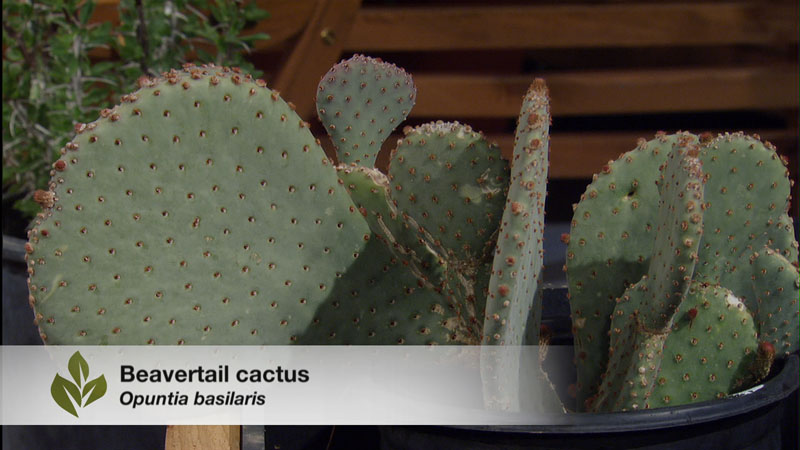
(202, 210)
(685, 289)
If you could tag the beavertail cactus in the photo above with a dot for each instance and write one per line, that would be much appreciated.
(202, 211)
(742, 214)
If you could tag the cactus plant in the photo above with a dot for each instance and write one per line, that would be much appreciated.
(739, 265)
(202, 211)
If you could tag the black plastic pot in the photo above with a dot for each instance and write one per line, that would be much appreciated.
(18, 328)
(765, 418)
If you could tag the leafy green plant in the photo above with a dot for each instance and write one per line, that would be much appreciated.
(60, 68)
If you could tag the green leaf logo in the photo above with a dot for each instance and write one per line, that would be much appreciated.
(82, 392)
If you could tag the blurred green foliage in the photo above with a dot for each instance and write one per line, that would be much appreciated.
(50, 81)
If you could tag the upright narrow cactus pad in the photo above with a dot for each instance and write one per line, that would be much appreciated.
(360, 101)
(678, 232)
(200, 211)
(517, 264)
(610, 243)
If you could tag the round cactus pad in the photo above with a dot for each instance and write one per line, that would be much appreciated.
(199, 211)
(360, 101)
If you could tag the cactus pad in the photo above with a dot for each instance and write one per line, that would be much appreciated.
(775, 303)
(517, 264)
(513, 305)
(452, 183)
(643, 316)
(360, 101)
(199, 211)
(711, 351)
(747, 191)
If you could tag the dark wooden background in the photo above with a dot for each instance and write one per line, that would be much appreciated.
(617, 70)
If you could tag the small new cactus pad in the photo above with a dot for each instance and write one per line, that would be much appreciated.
(781, 238)
(199, 211)
(513, 304)
(360, 101)
(610, 243)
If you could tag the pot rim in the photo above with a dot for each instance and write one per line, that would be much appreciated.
(776, 388)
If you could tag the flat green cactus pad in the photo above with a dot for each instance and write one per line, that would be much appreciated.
(360, 101)
(452, 183)
(710, 353)
(199, 211)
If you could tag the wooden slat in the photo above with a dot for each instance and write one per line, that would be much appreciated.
(195, 437)
(582, 25)
(580, 155)
(612, 92)
(287, 20)
(318, 48)
(548, 26)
